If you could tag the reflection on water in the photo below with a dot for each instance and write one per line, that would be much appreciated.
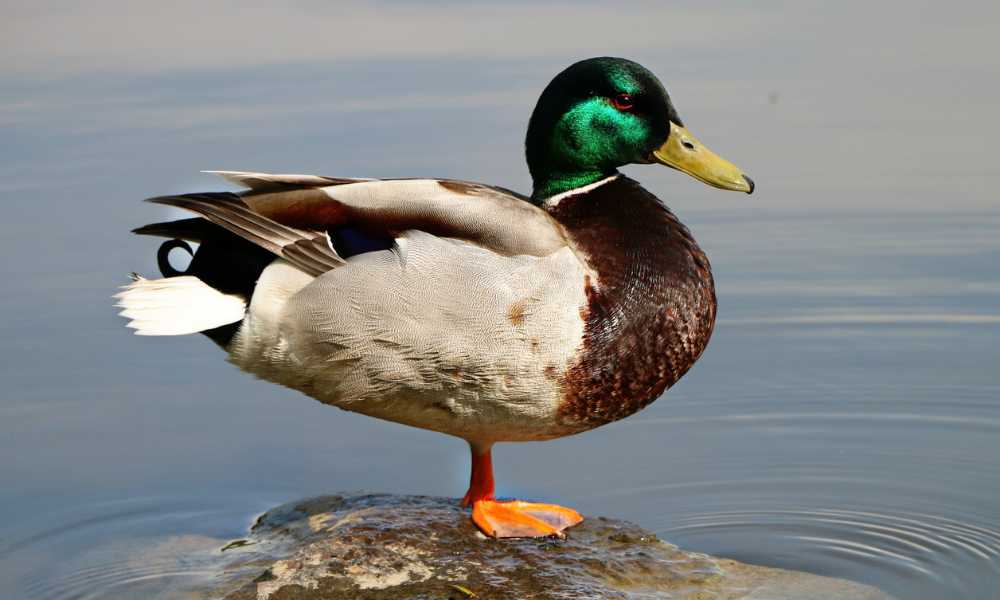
(844, 421)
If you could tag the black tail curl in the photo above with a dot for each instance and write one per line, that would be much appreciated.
(223, 260)
(163, 257)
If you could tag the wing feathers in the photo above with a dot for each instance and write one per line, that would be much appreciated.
(308, 250)
(289, 215)
(280, 181)
(489, 217)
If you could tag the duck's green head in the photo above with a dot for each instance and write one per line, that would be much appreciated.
(602, 113)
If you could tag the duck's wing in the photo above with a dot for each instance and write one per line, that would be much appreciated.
(291, 215)
(492, 217)
(308, 249)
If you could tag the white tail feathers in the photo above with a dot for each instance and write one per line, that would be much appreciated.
(177, 306)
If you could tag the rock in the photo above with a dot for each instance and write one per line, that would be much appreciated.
(380, 546)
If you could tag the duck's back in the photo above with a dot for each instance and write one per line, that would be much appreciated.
(651, 302)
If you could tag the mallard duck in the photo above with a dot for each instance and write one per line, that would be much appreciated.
(459, 307)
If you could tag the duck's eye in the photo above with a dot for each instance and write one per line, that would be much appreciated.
(623, 102)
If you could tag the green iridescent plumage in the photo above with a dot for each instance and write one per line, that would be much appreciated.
(577, 136)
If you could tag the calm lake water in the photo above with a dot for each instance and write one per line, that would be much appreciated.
(845, 419)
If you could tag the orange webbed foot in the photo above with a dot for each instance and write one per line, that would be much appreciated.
(510, 518)
(514, 518)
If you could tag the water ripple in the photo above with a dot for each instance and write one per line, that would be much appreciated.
(158, 568)
(933, 550)
(135, 548)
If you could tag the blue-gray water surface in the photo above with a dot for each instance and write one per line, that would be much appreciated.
(845, 419)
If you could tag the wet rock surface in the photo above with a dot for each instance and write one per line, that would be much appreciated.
(382, 546)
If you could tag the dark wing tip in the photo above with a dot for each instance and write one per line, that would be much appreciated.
(195, 229)
(182, 199)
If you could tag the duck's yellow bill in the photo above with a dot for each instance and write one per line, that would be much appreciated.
(683, 151)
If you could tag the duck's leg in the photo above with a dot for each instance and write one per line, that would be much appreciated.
(510, 518)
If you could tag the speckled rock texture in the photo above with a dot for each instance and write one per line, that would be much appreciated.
(380, 546)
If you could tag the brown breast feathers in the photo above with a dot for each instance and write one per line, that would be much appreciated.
(651, 311)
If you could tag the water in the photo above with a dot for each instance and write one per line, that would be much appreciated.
(844, 420)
